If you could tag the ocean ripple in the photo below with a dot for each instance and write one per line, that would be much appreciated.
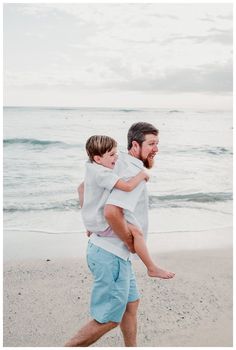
(154, 202)
(38, 143)
(200, 197)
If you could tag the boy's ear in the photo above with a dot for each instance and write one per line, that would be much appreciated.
(97, 159)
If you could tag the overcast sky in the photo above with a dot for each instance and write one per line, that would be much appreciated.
(118, 55)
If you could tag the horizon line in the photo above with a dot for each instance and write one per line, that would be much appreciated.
(173, 109)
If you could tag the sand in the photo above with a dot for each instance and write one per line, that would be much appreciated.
(46, 302)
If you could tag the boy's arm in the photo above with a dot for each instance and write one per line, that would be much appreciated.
(129, 185)
(115, 218)
(80, 191)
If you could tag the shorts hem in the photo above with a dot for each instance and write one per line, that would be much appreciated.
(133, 299)
(99, 320)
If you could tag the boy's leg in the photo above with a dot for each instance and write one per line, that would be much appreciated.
(90, 333)
(142, 251)
(128, 324)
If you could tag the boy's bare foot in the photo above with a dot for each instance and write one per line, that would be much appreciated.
(157, 272)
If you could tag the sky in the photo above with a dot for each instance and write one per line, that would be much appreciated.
(151, 55)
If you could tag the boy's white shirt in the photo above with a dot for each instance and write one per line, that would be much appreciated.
(98, 183)
(134, 203)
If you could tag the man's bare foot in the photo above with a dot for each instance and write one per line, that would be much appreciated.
(157, 272)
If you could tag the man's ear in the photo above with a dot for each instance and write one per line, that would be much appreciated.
(135, 145)
(97, 159)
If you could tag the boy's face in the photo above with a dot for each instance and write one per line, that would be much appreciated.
(109, 158)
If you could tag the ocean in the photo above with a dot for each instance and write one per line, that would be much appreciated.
(44, 157)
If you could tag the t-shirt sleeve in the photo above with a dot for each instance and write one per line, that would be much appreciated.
(126, 200)
(107, 179)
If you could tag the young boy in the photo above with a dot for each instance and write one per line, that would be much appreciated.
(99, 181)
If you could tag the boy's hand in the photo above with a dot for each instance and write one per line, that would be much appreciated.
(88, 233)
(145, 175)
(134, 230)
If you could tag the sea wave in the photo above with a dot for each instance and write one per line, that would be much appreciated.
(154, 202)
(175, 111)
(37, 143)
(70, 204)
(128, 110)
(44, 144)
(218, 151)
(199, 197)
(215, 151)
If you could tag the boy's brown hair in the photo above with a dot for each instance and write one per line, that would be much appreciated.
(98, 145)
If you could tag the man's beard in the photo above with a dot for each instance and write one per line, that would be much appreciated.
(147, 162)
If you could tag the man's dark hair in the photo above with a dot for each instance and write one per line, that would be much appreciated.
(137, 132)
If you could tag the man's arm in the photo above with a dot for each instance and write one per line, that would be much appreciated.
(115, 218)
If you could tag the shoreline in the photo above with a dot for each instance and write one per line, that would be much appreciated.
(30, 245)
(169, 229)
(46, 302)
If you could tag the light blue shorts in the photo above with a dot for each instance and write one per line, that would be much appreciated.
(114, 284)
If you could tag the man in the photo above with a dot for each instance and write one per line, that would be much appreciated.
(115, 297)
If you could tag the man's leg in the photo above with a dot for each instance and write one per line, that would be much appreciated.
(90, 333)
(128, 324)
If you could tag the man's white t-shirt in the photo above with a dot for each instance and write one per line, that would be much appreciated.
(134, 203)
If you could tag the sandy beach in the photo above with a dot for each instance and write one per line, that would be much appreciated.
(47, 299)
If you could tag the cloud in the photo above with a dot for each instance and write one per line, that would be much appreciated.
(207, 19)
(209, 78)
(35, 35)
(164, 16)
(125, 47)
(224, 37)
(226, 17)
(211, 18)
(39, 79)
(36, 10)
(137, 41)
